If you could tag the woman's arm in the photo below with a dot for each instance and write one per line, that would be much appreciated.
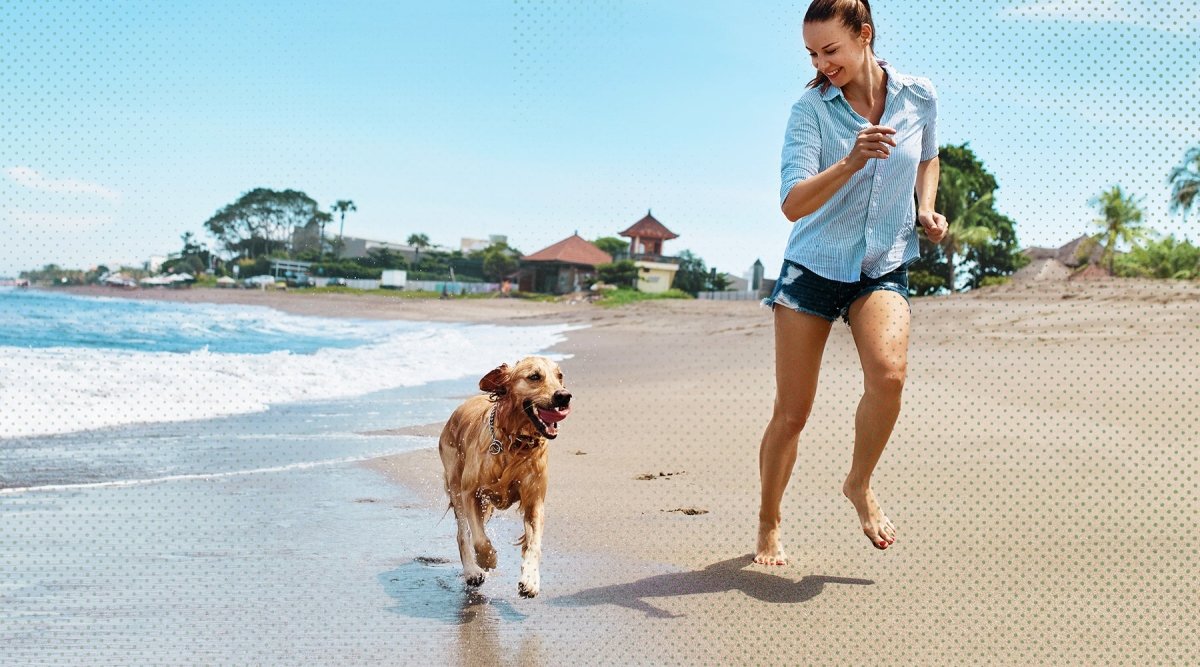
(810, 194)
(934, 223)
(928, 173)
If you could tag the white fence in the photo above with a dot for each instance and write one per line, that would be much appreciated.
(730, 295)
(452, 288)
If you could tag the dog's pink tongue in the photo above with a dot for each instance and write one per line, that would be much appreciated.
(553, 416)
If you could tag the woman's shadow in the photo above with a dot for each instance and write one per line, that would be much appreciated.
(726, 575)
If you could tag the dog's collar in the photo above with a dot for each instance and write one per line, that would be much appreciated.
(496, 447)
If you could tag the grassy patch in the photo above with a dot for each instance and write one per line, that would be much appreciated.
(394, 293)
(535, 296)
(621, 297)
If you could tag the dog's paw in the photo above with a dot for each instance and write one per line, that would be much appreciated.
(485, 556)
(474, 577)
(527, 590)
(530, 582)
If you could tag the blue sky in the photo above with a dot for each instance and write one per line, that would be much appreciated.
(125, 124)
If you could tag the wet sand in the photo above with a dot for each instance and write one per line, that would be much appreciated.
(1042, 475)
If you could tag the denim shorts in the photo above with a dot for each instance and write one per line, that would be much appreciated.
(804, 291)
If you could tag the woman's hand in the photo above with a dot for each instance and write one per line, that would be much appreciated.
(934, 224)
(874, 141)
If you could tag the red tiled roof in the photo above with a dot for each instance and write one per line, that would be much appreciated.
(649, 228)
(571, 250)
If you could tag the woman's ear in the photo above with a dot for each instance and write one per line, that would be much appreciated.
(496, 381)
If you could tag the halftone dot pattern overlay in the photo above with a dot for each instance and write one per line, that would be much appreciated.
(284, 505)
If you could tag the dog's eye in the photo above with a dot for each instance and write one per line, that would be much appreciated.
(536, 377)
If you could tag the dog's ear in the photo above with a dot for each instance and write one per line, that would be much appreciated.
(496, 381)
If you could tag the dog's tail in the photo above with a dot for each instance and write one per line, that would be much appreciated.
(449, 506)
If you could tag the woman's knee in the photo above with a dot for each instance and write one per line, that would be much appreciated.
(888, 380)
(789, 418)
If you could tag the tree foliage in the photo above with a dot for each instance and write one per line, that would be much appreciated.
(612, 245)
(261, 221)
(1121, 220)
(499, 261)
(1163, 258)
(622, 273)
(1185, 182)
(981, 244)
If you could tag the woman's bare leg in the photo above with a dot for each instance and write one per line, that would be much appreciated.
(799, 344)
(880, 324)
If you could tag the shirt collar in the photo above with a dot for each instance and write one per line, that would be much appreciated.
(895, 82)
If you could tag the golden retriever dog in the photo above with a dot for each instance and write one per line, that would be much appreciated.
(493, 452)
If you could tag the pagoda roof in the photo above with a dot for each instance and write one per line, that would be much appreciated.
(572, 250)
(649, 228)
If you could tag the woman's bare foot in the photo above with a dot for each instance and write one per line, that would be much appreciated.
(770, 551)
(878, 528)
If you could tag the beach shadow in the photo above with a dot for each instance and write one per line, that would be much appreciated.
(432, 589)
(726, 575)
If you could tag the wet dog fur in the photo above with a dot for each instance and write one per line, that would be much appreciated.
(528, 400)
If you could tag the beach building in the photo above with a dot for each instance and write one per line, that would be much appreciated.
(567, 266)
(469, 246)
(308, 237)
(1075, 259)
(656, 271)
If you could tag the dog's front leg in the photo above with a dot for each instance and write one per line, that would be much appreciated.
(531, 551)
(485, 553)
(471, 572)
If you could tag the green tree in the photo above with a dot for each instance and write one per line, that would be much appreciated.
(622, 273)
(692, 276)
(1185, 182)
(1164, 258)
(717, 282)
(964, 182)
(612, 245)
(498, 264)
(1121, 222)
(1000, 257)
(964, 212)
(382, 258)
(341, 206)
(420, 242)
(261, 221)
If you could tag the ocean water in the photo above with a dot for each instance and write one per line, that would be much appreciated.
(179, 484)
(71, 364)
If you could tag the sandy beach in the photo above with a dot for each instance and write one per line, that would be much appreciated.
(1043, 476)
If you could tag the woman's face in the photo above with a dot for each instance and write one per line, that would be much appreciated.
(836, 51)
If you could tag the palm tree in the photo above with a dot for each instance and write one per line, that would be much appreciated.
(1122, 221)
(1185, 182)
(963, 215)
(342, 206)
(418, 241)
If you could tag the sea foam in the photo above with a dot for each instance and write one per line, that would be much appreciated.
(52, 390)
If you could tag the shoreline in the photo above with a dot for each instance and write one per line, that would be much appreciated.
(1030, 411)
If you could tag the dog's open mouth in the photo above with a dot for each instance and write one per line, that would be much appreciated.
(546, 419)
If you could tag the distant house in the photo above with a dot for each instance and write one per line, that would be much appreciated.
(353, 247)
(1068, 254)
(736, 283)
(564, 267)
(469, 246)
(308, 237)
(656, 271)
(1062, 263)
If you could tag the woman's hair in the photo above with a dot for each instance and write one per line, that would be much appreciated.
(852, 13)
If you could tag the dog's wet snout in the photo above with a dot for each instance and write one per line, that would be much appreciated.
(561, 399)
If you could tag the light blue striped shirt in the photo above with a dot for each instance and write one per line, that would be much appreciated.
(868, 226)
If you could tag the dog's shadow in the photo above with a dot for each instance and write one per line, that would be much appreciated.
(726, 575)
